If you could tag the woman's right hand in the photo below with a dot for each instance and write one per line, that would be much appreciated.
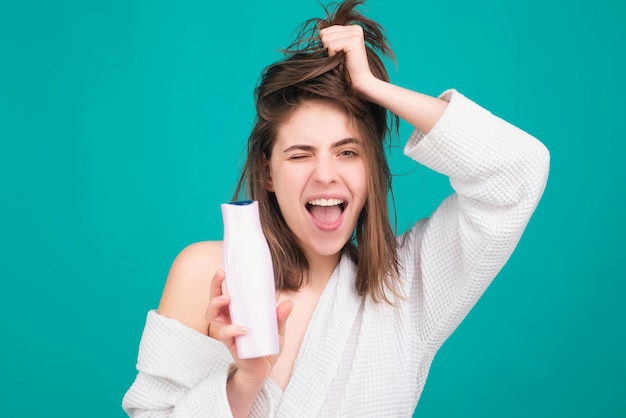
(221, 327)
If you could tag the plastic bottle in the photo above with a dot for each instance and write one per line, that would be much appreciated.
(249, 280)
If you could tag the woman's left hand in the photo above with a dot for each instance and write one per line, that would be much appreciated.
(350, 41)
(419, 110)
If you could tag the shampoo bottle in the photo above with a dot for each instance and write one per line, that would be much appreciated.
(249, 279)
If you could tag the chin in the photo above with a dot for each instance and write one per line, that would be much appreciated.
(328, 249)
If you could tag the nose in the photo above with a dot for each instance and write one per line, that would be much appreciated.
(325, 171)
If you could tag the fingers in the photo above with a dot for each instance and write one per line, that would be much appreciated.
(217, 312)
(342, 30)
(228, 333)
(351, 41)
(342, 38)
(283, 310)
(216, 283)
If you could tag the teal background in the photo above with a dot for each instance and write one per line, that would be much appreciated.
(122, 128)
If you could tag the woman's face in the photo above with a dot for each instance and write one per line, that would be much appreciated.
(318, 174)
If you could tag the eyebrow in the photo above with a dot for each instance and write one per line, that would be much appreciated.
(303, 147)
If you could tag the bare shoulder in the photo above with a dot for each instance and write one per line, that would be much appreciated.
(186, 293)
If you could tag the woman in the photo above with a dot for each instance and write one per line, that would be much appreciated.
(361, 313)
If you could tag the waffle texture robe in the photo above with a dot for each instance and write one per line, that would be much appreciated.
(364, 359)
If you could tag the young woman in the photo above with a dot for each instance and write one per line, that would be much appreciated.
(361, 313)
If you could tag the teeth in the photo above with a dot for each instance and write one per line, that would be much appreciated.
(326, 202)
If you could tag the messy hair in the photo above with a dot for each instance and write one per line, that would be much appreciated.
(308, 73)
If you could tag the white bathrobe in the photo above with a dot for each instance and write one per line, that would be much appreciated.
(360, 358)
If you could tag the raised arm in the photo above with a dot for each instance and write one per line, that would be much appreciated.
(498, 173)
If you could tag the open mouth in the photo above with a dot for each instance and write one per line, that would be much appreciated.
(326, 211)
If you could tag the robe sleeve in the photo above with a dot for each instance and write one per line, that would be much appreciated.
(181, 373)
(498, 173)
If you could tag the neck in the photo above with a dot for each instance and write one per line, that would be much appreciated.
(321, 268)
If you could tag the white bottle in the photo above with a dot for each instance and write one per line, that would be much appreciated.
(249, 279)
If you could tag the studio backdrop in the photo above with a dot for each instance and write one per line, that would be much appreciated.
(122, 129)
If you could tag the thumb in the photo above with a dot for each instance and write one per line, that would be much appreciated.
(282, 313)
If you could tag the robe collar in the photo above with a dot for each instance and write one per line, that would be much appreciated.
(323, 344)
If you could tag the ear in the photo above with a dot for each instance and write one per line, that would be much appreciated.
(267, 175)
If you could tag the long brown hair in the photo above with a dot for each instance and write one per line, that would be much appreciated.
(308, 73)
